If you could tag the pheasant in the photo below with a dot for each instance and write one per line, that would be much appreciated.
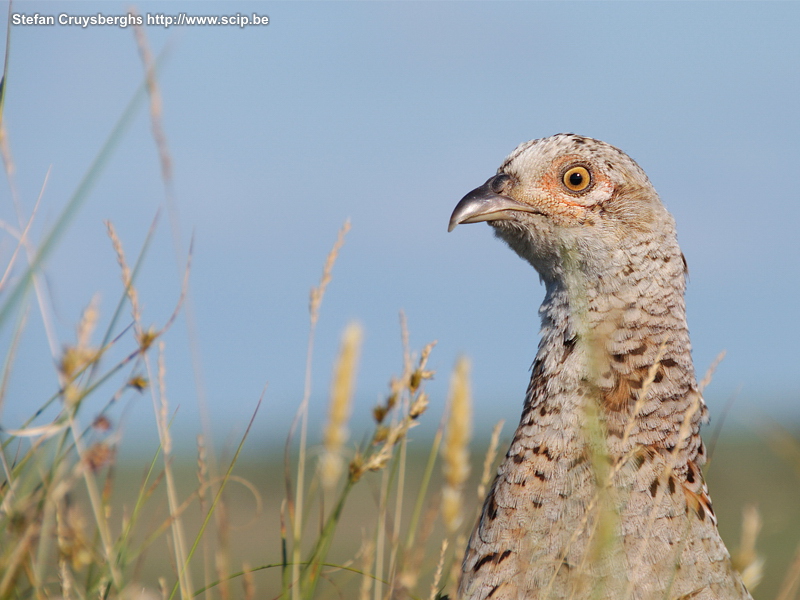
(600, 494)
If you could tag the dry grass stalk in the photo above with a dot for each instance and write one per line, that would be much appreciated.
(203, 488)
(709, 374)
(221, 555)
(335, 434)
(406, 402)
(415, 552)
(414, 402)
(683, 435)
(605, 524)
(17, 557)
(156, 104)
(42, 297)
(784, 444)
(42, 515)
(488, 461)
(404, 337)
(640, 399)
(73, 362)
(318, 292)
(420, 374)
(395, 545)
(9, 363)
(746, 560)
(127, 280)
(22, 237)
(386, 437)
(75, 359)
(602, 504)
(162, 421)
(202, 470)
(483, 485)
(74, 545)
(295, 501)
(791, 582)
(437, 578)
(368, 560)
(380, 538)
(96, 502)
(455, 449)
(166, 164)
(249, 582)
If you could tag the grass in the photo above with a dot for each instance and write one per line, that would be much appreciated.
(385, 518)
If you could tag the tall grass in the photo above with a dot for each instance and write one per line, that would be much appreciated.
(61, 529)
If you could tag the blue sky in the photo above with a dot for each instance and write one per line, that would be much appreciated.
(387, 114)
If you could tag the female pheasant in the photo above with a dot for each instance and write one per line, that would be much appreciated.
(600, 494)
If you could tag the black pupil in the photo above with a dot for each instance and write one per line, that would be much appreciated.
(576, 179)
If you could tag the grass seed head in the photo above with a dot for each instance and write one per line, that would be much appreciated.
(101, 423)
(419, 406)
(98, 455)
(72, 394)
(455, 449)
(357, 467)
(342, 388)
(420, 374)
(379, 413)
(76, 358)
(146, 338)
(381, 434)
(138, 382)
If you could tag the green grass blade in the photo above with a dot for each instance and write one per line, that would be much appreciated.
(77, 199)
(5, 67)
(218, 495)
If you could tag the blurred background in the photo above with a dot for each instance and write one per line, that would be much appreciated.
(387, 114)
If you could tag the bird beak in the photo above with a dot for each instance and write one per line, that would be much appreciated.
(484, 204)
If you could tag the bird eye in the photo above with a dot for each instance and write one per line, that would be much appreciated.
(577, 179)
(499, 182)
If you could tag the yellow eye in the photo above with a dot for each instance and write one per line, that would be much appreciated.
(577, 179)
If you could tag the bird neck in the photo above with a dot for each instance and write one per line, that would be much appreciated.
(618, 336)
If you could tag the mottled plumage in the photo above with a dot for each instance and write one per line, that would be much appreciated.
(600, 494)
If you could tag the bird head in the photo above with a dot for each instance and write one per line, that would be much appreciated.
(571, 198)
